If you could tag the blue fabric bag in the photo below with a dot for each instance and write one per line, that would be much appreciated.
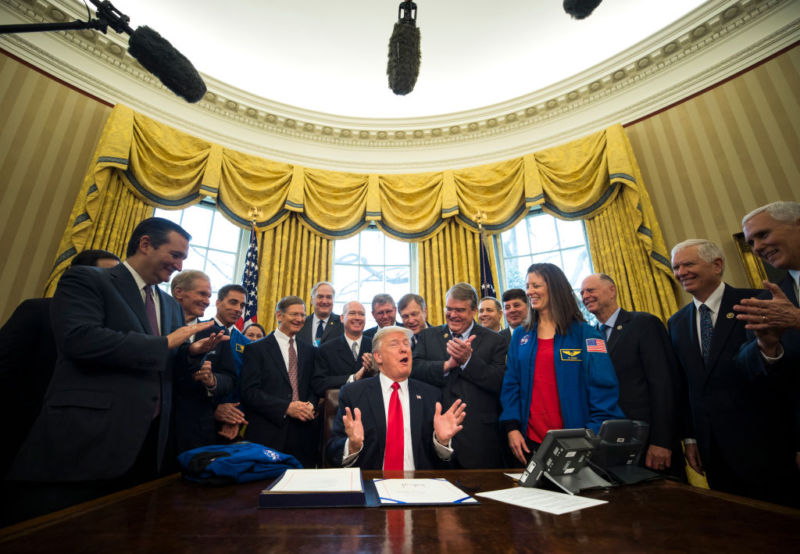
(223, 464)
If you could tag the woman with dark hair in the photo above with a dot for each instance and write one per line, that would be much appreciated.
(558, 373)
(254, 331)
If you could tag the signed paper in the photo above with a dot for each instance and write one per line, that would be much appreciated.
(346, 479)
(420, 491)
(538, 499)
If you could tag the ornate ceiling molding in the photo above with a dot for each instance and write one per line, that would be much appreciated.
(708, 45)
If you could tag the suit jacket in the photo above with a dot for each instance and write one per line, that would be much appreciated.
(334, 363)
(267, 393)
(195, 425)
(333, 329)
(367, 396)
(109, 376)
(731, 403)
(645, 365)
(479, 444)
(372, 330)
(27, 360)
(506, 334)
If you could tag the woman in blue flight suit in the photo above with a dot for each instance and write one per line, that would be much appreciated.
(558, 373)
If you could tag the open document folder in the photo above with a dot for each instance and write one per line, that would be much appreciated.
(420, 491)
(309, 488)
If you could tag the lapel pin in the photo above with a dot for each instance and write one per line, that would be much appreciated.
(419, 397)
(446, 335)
(619, 327)
(729, 315)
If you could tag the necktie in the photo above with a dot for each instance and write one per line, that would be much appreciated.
(320, 329)
(706, 330)
(293, 369)
(393, 455)
(354, 348)
(150, 309)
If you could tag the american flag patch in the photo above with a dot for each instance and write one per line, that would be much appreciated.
(596, 345)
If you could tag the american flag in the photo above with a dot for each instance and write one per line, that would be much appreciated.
(487, 282)
(596, 345)
(250, 282)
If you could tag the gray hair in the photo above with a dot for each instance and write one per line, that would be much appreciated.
(707, 250)
(785, 212)
(380, 336)
(286, 302)
(463, 291)
(318, 285)
(186, 280)
(497, 303)
(382, 298)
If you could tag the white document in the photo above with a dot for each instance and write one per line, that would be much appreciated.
(514, 476)
(420, 491)
(347, 479)
(538, 499)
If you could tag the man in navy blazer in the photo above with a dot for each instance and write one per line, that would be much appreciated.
(346, 358)
(282, 415)
(106, 414)
(646, 369)
(773, 232)
(322, 295)
(359, 435)
(740, 430)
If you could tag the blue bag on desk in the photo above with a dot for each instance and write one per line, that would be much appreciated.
(223, 464)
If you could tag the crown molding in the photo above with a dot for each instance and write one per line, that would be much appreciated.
(708, 45)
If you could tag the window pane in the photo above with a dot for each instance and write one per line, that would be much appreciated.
(543, 233)
(172, 215)
(372, 247)
(225, 234)
(346, 251)
(197, 222)
(397, 252)
(516, 269)
(515, 240)
(570, 233)
(576, 265)
(346, 284)
(549, 257)
(219, 267)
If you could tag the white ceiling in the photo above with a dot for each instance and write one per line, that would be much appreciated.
(330, 56)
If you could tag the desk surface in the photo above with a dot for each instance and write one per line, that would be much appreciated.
(171, 515)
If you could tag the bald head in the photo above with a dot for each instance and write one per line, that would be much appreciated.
(353, 318)
(599, 295)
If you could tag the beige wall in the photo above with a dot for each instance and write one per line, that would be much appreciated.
(49, 132)
(711, 159)
(706, 162)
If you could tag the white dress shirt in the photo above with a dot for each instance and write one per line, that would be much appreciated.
(713, 303)
(141, 284)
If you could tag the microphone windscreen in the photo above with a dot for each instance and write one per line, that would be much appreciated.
(580, 9)
(404, 57)
(160, 58)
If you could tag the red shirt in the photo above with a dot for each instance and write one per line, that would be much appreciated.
(545, 411)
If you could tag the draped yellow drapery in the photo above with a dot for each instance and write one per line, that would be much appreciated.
(584, 179)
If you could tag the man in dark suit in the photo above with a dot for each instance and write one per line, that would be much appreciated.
(414, 314)
(739, 427)
(384, 311)
(276, 387)
(490, 313)
(27, 360)
(347, 358)
(645, 365)
(391, 422)
(322, 325)
(106, 414)
(773, 232)
(200, 387)
(515, 307)
(467, 362)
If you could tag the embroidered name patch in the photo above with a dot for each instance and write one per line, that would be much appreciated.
(570, 354)
(596, 345)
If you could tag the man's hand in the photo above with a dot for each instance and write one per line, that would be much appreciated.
(446, 425)
(354, 430)
(204, 345)
(229, 430)
(367, 365)
(658, 457)
(205, 375)
(230, 414)
(776, 313)
(693, 457)
(182, 334)
(460, 350)
(518, 446)
(304, 411)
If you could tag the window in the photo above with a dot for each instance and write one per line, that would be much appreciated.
(541, 237)
(371, 263)
(217, 247)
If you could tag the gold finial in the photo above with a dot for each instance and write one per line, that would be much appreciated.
(480, 217)
(254, 214)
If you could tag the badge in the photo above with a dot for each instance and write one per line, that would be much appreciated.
(619, 327)
(240, 348)
(447, 335)
(729, 315)
(524, 340)
(570, 354)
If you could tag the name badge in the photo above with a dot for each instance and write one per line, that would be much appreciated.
(570, 354)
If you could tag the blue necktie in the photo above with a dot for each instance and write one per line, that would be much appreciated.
(320, 329)
(706, 330)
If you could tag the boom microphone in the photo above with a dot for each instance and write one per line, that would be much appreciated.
(160, 58)
(404, 54)
(580, 9)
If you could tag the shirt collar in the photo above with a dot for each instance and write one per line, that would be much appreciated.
(714, 300)
(795, 273)
(230, 329)
(280, 336)
(613, 319)
(467, 332)
(140, 283)
(386, 383)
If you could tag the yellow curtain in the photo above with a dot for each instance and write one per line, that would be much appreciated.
(292, 260)
(593, 178)
(449, 257)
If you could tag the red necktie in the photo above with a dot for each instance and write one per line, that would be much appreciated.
(393, 456)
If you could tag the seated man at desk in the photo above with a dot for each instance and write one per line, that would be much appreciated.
(391, 422)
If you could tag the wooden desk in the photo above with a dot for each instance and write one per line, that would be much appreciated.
(171, 515)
